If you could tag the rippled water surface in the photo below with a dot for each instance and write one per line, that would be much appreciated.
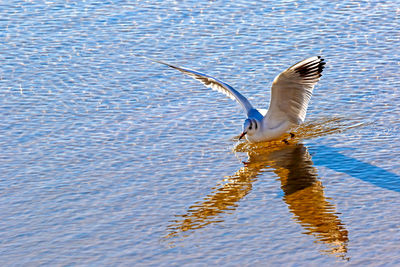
(110, 159)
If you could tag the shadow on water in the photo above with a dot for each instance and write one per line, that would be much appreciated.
(333, 158)
(303, 190)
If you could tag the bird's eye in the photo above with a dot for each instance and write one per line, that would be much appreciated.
(250, 127)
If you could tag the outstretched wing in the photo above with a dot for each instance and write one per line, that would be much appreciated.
(291, 92)
(214, 84)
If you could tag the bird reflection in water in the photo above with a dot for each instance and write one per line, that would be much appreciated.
(303, 193)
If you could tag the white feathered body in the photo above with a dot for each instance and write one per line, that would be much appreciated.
(290, 95)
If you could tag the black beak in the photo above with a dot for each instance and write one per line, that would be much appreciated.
(243, 134)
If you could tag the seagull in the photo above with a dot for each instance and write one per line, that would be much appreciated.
(290, 94)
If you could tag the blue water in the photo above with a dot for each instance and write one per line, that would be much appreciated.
(110, 159)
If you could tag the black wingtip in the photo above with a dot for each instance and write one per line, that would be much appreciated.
(312, 68)
(321, 65)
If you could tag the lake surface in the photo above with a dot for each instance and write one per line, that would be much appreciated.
(110, 159)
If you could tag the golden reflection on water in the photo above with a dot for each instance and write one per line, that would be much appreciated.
(303, 190)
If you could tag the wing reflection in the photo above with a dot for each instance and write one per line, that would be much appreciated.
(305, 198)
(303, 193)
(223, 199)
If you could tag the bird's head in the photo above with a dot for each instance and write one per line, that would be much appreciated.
(249, 127)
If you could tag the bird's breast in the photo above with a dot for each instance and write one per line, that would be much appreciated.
(266, 134)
